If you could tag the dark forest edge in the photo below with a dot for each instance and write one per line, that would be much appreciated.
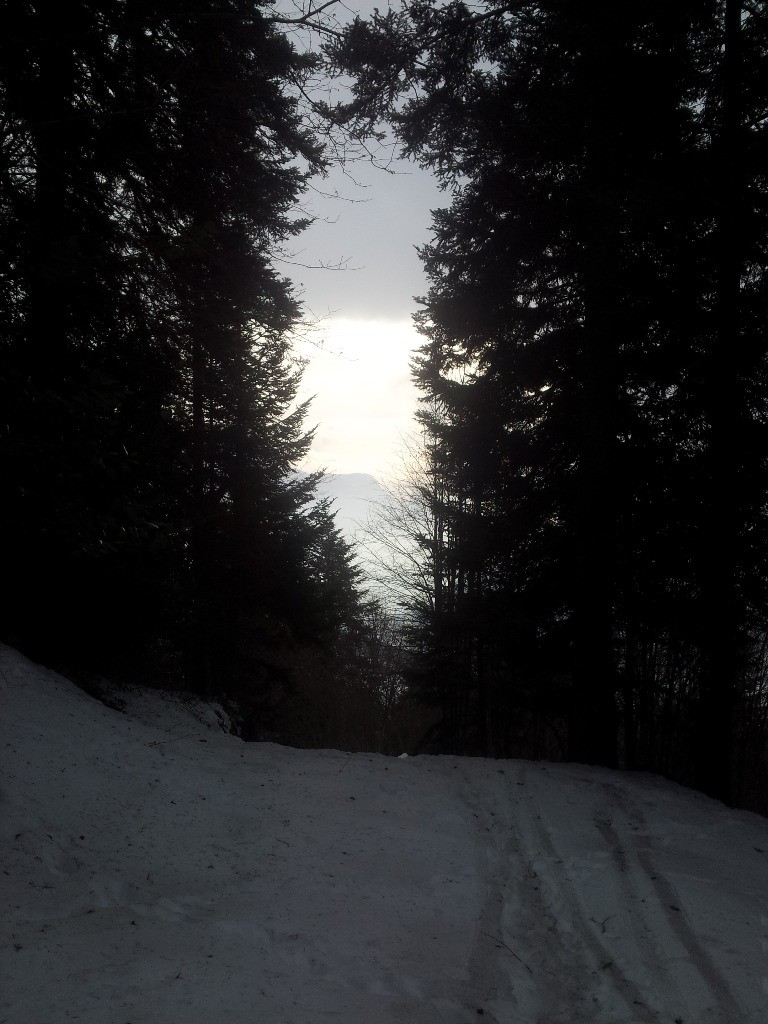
(152, 527)
(593, 375)
(590, 496)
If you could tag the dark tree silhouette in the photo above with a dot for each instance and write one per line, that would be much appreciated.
(591, 356)
(153, 156)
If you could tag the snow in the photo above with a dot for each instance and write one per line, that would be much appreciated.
(157, 869)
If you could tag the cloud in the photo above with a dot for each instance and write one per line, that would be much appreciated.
(372, 231)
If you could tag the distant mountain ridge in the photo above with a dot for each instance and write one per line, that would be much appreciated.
(355, 497)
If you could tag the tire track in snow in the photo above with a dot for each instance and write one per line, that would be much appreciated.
(488, 975)
(556, 993)
(506, 973)
(727, 1007)
(638, 930)
(484, 965)
(598, 962)
(537, 939)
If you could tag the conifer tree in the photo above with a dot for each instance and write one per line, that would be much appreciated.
(583, 283)
(153, 156)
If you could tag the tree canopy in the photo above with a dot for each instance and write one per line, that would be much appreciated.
(153, 156)
(593, 370)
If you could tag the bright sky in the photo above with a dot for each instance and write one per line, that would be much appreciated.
(358, 372)
(358, 363)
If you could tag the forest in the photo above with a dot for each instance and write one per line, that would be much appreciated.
(586, 577)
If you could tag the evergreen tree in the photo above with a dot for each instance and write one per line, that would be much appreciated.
(152, 159)
(582, 290)
(68, 462)
(729, 379)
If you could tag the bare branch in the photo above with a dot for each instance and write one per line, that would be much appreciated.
(304, 19)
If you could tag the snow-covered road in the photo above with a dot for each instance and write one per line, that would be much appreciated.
(157, 870)
(602, 887)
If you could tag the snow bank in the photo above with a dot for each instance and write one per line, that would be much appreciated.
(156, 869)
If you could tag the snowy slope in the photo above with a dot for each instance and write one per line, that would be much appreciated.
(156, 870)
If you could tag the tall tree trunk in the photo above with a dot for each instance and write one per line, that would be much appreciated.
(721, 557)
(200, 647)
(594, 719)
(594, 715)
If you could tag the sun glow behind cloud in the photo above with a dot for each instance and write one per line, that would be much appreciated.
(364, 401)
